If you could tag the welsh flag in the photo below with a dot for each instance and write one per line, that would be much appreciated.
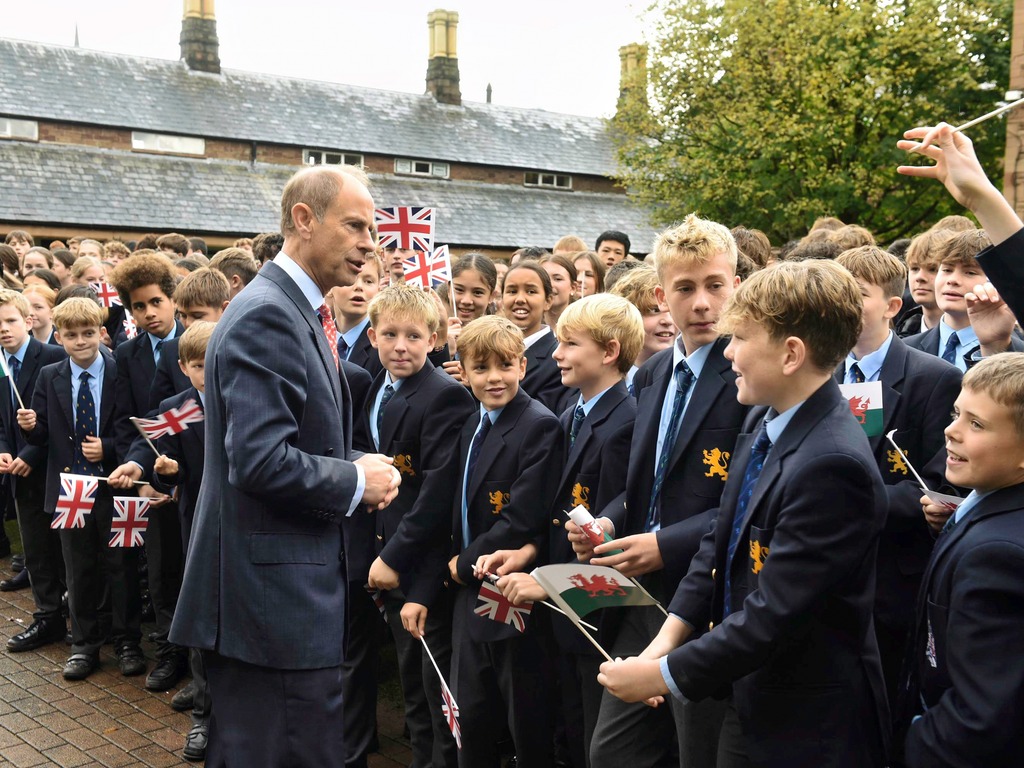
(866, 405)
(584, 589)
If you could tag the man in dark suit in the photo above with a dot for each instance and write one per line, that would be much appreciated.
(26, 466)
(264, 588)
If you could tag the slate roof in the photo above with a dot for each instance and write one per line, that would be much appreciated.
(49, 82)
(59, 184)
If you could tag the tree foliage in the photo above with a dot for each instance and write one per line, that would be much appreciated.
(769, 113)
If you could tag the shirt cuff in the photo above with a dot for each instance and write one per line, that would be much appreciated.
(357, 496)
(666, 675)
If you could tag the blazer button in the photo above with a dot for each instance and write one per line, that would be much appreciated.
(67, 469)
(556, 521)
(711, 625)
(379, 537)
(714, 571)
(330, 451)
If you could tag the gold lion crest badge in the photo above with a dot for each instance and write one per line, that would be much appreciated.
(581, 496)
(498, 501)
(896, 462)
(718, 461)
(403, 463)
(758, 555)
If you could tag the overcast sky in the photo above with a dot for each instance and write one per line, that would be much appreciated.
(559, 55)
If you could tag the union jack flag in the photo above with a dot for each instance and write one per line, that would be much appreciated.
(426, 270)
(410, 228)
(131, 330)
(129, 522)
(107, 294)
(76, 500)
(378, 600)
(450, 710)
(171, 422)
(493, 605)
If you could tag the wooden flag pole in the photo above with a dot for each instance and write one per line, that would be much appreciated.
(145, 437)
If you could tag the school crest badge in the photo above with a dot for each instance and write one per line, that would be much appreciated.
(718, 461)
(403, 463)
(896, 462)
(498, 501)
(581, 496)
(758, 555)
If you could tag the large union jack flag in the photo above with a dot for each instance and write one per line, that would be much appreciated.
(409, 227)
(107, 294)
(426, 270)
(450, 710)
(76, 500)
(171, 422)
(131, 517)
(493, 605)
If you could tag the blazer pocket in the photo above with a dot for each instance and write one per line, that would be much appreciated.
(760, 548)
(407, 462)
(583, 492)
(286, 548)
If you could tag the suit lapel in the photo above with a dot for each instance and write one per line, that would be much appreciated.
(399, 404)
(495, 440)
(705, 393)
(107, 396)
(62, 386)
(648, 416)
(608, 402)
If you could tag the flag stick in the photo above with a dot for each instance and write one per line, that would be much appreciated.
(640, 586)
(974, 122)
(145, 436)
(134, 482)
(579, 625)
(451, 298)
(494, 580)
(7, 373)
(437, 668)
(920, 480)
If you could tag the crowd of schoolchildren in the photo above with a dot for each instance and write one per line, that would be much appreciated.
(819, 608)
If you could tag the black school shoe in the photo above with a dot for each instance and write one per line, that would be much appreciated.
(80, 665)
(130, 660)
(166, 673)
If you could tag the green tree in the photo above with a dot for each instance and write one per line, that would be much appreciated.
(769, 113)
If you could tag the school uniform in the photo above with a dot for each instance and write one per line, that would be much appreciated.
(934, 341)
(593, 475)
(168, 381)
(967, 683)
(136, 367)
(507, 496)
(420, 425)
(543, 380)
(94, 569)
(695, 474)
(1004, 266)
(785, 583)
(43, 557)
(918, 391)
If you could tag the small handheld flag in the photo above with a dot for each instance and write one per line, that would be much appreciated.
(76, 500)
(129, 522)
(449, 708)
(495, 606)
(427, 270)
(378, 600)
(171, 422)
(584, 589)
(410, 228)
(107, 294)
(942, 499)
(131, 330)
(865, 401)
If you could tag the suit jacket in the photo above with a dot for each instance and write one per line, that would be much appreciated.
(799, 647)
(543, 380)
(12, 439)
(265, 578)
(918, 391)
(1004, 266)
(698, 467)
(55, 422)
(186, 448)
(420, 428)
(508, 497)
(970, 618)
(358, 528)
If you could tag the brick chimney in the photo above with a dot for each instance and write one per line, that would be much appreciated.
(442, 61)
(199, 45)
(633, 75)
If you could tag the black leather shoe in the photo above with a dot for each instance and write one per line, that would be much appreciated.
(17, 563)
(166, 674)
(130, 660)
(80, 666)
(195, 742)
(184, 699)
(42, 632)
(20, 581)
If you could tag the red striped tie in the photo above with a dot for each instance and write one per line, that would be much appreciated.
(327, 321)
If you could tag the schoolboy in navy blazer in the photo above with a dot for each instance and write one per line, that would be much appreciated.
(187, 449)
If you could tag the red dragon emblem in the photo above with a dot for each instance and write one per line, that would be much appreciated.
(598, 586)
(859, 408)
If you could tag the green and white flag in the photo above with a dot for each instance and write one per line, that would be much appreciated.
(866, 405)
(583, 589)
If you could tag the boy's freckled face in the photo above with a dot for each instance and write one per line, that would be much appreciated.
(756, 360)
(984, 449)
(195, 370)
(403, 345)
(152, 310)
(579, 359)
(82, 344)
(495, 382)
(13, 328)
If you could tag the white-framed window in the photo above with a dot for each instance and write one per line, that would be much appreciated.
(549, 180)
(19, 129)
(322, 157)
(162, 142)
(421, 168)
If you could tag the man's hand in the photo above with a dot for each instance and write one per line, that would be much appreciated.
(640, 554)
(505, 561)
(125, 475)
(453, 565)
(414, 619)
(634, 679)
(5, 463)
(581, 543)
(156, 499)
(165, 466)
(19, 468)
(26, 418)
(521, 588)
(92, 448)
(383, 576)
(990, 318)
(935, 515)
(382, 479)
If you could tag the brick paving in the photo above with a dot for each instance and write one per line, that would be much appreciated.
(108, 720)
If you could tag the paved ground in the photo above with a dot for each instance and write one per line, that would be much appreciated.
(107, 720)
